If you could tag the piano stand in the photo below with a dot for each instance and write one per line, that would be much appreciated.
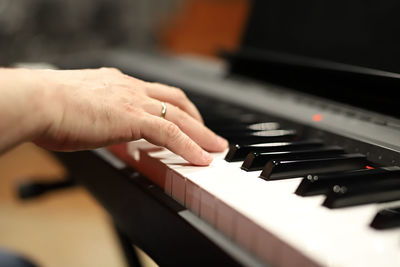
(144, 214)
(32, 189)
(128, 249)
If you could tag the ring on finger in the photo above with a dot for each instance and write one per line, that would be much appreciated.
(163, 110)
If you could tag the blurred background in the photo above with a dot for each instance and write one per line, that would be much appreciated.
(68, 227)
(41, 29)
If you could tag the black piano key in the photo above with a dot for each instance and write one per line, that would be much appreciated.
(315, 184)
(264, 126)
(381, 190)
(218, 109)
(261, 136)
(280, 169)
(245, 128)
(260, 126)
(257, 161)
(386, 218)
(238, 152)
(213, 121)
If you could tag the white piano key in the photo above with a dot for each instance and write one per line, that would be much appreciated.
(178, 188)
(208, 204)
(245, 233)
(269, 220)
(168, 182)
(226, 219)
(192, 197)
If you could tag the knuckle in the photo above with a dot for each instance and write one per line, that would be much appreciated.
(110, 70)
(132, 79)
(135, 133)
(189, 145)
(131, 108)
(179, 93)
(147, 86)
(172, 132)
(182, 116)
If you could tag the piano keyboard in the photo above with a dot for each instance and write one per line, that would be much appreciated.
(282, 193)
(280, 213)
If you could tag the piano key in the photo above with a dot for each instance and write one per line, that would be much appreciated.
(381, 190)
(386, 218)
(244, 118)
(261, 136)
(281, 169)
(253, 127)
(264, 126)
(274, 230)
(293, 223)
(222, 109)
(315, 184)
(257, 161)
(245, 128)
(238, 152)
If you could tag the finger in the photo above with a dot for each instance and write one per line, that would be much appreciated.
(174, 96)
(190, 126)
(165, 133)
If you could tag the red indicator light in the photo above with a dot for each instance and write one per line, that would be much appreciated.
(317, 117)
(369, 167)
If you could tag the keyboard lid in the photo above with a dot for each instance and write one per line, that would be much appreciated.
(345, 51)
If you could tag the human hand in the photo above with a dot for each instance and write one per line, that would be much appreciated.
(98, 107)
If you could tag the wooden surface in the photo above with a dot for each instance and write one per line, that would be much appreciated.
(65, 228)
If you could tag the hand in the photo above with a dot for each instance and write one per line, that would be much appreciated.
(98, 107)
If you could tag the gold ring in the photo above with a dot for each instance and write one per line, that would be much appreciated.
(163, 109)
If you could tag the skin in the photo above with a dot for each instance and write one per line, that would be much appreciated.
(69, 110)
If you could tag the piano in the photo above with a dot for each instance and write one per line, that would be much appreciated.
(312, 174)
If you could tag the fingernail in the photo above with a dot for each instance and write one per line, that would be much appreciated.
(206, 157)
(222, 141)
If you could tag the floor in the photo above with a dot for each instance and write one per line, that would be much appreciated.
(64, 228)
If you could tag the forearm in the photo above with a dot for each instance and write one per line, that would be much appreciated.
(21, 107)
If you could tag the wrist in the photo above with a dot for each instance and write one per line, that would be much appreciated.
(45, 106)
(22, 107)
